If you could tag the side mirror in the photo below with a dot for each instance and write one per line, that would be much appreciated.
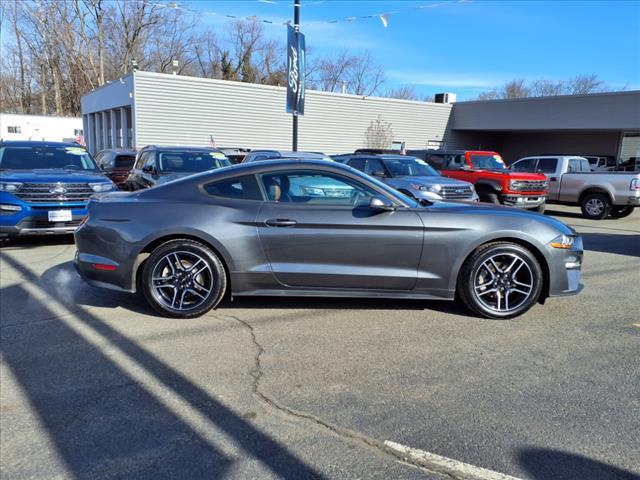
(381, 204)
(149, 169)
(379, 173)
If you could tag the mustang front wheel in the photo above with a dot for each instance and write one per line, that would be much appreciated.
(183, 279)
(500, 280)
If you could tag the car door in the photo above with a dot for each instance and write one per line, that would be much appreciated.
(549, 166)
(318, 231)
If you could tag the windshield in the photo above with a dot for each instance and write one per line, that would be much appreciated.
(487, 162)
(410, 167)
(31, 158)
(191, 161)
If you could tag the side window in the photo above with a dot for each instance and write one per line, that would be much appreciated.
(584, 165)
(574, 166)
(242, 188)
(315, 188)
(98, 158)
(357, 163)
(525, 165)
(547, 165)
(436, 161)
(455, 162)
(374, 165)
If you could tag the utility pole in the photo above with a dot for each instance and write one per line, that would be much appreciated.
(296, 26)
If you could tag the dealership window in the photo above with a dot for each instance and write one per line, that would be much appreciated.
(14, 129)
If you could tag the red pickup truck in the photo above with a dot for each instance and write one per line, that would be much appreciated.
(493, 181)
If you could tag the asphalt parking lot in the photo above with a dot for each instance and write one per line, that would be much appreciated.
(94, 385)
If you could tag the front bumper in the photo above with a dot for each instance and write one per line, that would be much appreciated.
(565, 270)
(523, 201)
(33, 219)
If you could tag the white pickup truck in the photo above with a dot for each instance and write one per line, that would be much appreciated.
(571, 182)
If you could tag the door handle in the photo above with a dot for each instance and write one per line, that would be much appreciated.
(280, 222)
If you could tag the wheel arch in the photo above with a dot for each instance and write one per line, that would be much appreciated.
(151, 245)
(590, 190)
(534, 249)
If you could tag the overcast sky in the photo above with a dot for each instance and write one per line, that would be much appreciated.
(465, 47)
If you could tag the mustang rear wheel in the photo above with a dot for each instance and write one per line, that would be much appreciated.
(183, 279)
(500, 280)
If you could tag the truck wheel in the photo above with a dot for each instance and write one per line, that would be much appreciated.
(621, 212)
(595, 206)
(183, 279)
(489, 197)
(500, 280)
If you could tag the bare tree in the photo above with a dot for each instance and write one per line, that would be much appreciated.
(365, 77)
(378, 134)
(404, 92)
(578, 85)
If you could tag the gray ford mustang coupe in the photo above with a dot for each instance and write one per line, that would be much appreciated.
(317, 228)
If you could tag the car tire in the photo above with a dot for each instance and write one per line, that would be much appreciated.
(183, 279)
(498, 275)
(621, 212)
(489, 197)
(595, 206)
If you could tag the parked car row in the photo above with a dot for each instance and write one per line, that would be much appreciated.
(46, 185)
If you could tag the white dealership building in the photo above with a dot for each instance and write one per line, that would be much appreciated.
(144, 108)
(40, 127)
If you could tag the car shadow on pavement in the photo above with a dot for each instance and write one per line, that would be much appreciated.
(544, 464)
(84, 294)
(103, 422)
(611, 243)
(25, 243)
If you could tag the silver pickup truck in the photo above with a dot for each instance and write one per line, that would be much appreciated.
(571, 182)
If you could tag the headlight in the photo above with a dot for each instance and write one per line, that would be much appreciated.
(635, 184)
(10, 186)
(427, 188)
(10, 208)
(101, 187)
(563, 241)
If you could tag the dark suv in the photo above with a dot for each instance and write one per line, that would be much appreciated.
(156, 164)
(116, 164)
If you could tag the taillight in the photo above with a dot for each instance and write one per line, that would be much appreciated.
(104, 266)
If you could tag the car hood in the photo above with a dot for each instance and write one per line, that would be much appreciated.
(513, 175)
(427, 180)
(52, 175)
(508, 214)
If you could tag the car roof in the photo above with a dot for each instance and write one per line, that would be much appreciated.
(558, 156)
(381, 156)
(180, 147)
(119, 150)
(35, 143)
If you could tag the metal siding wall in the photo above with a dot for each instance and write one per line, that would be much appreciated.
(171, 109)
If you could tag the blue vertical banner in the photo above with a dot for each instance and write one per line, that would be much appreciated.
(296, 67)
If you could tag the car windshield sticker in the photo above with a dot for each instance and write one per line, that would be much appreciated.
(420, 161)
(76, 151)
(498, 159)
(218, 155)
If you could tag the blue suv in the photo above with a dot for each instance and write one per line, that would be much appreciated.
(45, 187)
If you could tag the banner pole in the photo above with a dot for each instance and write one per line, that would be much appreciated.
(296, 26)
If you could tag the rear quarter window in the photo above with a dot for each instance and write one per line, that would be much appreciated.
(239, 188)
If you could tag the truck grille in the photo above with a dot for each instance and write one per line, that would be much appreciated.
(54, 192)
(456, 193)
(529, 185)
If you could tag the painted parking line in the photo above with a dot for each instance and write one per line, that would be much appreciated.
(439, 464)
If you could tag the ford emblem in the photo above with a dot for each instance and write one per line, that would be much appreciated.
(58, 190)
